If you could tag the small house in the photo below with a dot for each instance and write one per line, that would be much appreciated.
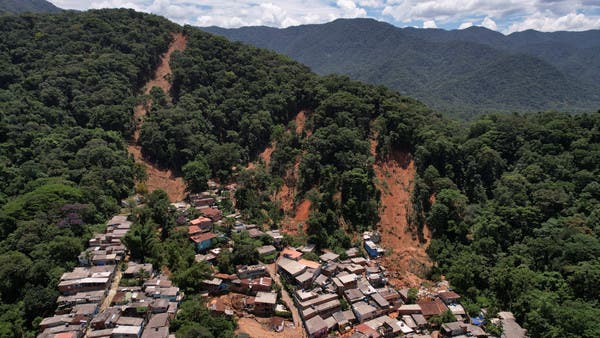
(277, 324)
(264, 303)
(316, 327)
(203, 223)
(203, 241)
(363, 311)
(449, 297)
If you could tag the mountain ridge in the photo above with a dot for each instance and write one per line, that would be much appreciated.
(417, 61)
(22, 6)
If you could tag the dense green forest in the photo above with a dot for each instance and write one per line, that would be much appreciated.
(516, 218)
(461, 72)
(68, 84)
(516, 215)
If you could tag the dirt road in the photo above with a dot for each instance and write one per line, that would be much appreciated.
(114, 286)
(286, 297)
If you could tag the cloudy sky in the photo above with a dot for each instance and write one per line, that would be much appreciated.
(505, 16)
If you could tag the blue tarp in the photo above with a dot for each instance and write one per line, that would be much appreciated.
(477, 320)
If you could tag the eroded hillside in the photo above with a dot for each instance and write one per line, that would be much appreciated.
(158, 178)
(406, 257)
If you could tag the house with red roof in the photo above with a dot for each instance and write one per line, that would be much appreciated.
(204, 223)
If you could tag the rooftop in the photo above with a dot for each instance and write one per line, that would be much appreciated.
(266, 249)
(449, 296)
(380, 300)
(158, 320)
(291, 266)
(329, 256)
(203, 237)
(432, 308)
(347, 279)
(200, 220)
(156, 332)
(266, 297)
(291, 253)
(309, 264)
(362, 308)
(315, 324)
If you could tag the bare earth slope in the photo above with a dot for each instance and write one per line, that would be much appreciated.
(406, 258)
(159, 178)
(295, 215)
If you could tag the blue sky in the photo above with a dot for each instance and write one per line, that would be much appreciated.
(505, 16)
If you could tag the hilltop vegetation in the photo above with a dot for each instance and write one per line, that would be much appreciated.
(516, 211)
(515, 219)
(68, 84)
(465, 73)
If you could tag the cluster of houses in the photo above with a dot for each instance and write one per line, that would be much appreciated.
(332, 296)
(91, 304)
(350, 296)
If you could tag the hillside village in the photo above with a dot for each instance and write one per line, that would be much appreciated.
(292, 291)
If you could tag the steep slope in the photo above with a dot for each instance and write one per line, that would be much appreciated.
(33, 6)
(406, 259)
(511, 200)
(158, 178)
(464, 72)
(68, 84)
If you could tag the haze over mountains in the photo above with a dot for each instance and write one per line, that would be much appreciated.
(464, 72)
(22, 6)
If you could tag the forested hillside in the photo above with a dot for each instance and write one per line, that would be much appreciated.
(21, 6)
(511, 200)
(515, 220)
(68, 84)
(464, 72)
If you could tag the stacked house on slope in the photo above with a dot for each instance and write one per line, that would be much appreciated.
(85, 306)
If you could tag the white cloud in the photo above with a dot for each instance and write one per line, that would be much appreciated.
(571, 21)
(370, 3)
(452, 10)
(429, 24)
(489, 23)
(508, 15)
(350, 9)
(465, 25)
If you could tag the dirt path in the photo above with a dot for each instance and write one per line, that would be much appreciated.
(112, 291)
(159, 178)
(406, 258)
(286, 298)
(255, 329)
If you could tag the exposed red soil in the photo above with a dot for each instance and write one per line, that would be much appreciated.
(302, 212)
(259, 327)
(405, 259)
(163, 179)
(162, 73)
(300, 121)
(159, 178)
(294, 215)
(265, 156)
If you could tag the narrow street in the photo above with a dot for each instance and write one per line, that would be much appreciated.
(285, 296)
(114, 286)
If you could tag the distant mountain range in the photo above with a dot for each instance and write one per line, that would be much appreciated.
(464, 72)
(22, 6)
